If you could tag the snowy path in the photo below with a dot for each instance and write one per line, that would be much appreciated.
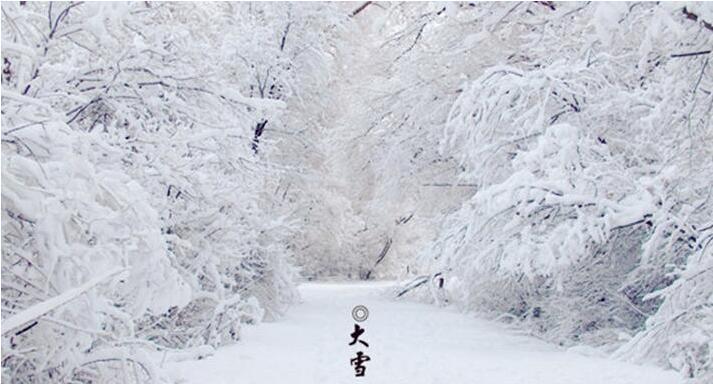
(408, 343)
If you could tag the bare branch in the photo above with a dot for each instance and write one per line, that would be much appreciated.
(361, 8)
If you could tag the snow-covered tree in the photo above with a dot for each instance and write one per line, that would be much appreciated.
(140, 173)
(171, 169)
(580, 133)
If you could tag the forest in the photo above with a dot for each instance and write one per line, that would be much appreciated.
(174, 172)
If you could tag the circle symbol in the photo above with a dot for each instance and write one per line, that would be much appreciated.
(360, 313)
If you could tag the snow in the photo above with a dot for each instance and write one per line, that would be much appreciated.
(606, 19)
(549, 163)
(408, 343)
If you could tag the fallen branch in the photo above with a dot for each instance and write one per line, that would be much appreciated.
(415, 283)
(40, 309)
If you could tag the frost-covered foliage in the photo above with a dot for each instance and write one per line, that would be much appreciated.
(583, 131)
(166, 164)
(382, 146)
(137, 139)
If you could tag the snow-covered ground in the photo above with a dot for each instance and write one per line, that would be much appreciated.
(408, 343)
